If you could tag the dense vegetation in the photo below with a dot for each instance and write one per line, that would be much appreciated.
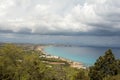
(106, 67)
(17, 63)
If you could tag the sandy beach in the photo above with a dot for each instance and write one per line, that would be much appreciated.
(73, 64)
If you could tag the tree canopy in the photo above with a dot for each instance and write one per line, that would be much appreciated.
(19, 64)
(105, 66)
(16, 63)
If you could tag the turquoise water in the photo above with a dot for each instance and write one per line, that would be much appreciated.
(86, 55)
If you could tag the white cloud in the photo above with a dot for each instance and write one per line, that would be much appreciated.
(52, 16)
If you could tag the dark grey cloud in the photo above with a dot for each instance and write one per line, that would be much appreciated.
(94, 41)
(60, 17)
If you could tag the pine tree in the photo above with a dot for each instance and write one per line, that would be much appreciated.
(105, 66)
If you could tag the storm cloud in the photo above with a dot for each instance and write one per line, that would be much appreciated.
(78, 17)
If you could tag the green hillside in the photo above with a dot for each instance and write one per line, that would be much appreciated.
(16, 63)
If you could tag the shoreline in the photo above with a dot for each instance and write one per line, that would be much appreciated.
(72, 63)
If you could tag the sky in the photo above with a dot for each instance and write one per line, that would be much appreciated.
(86, 19)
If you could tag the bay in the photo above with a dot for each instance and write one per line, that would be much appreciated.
(85, 55)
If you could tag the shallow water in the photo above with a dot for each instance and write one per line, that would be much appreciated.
(86, 55)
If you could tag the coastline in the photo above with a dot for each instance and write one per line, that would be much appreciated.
(72, 63)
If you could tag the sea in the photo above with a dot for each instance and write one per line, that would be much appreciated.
(85, 55)
(85, 48)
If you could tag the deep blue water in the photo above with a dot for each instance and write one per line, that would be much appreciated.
(86, 55)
